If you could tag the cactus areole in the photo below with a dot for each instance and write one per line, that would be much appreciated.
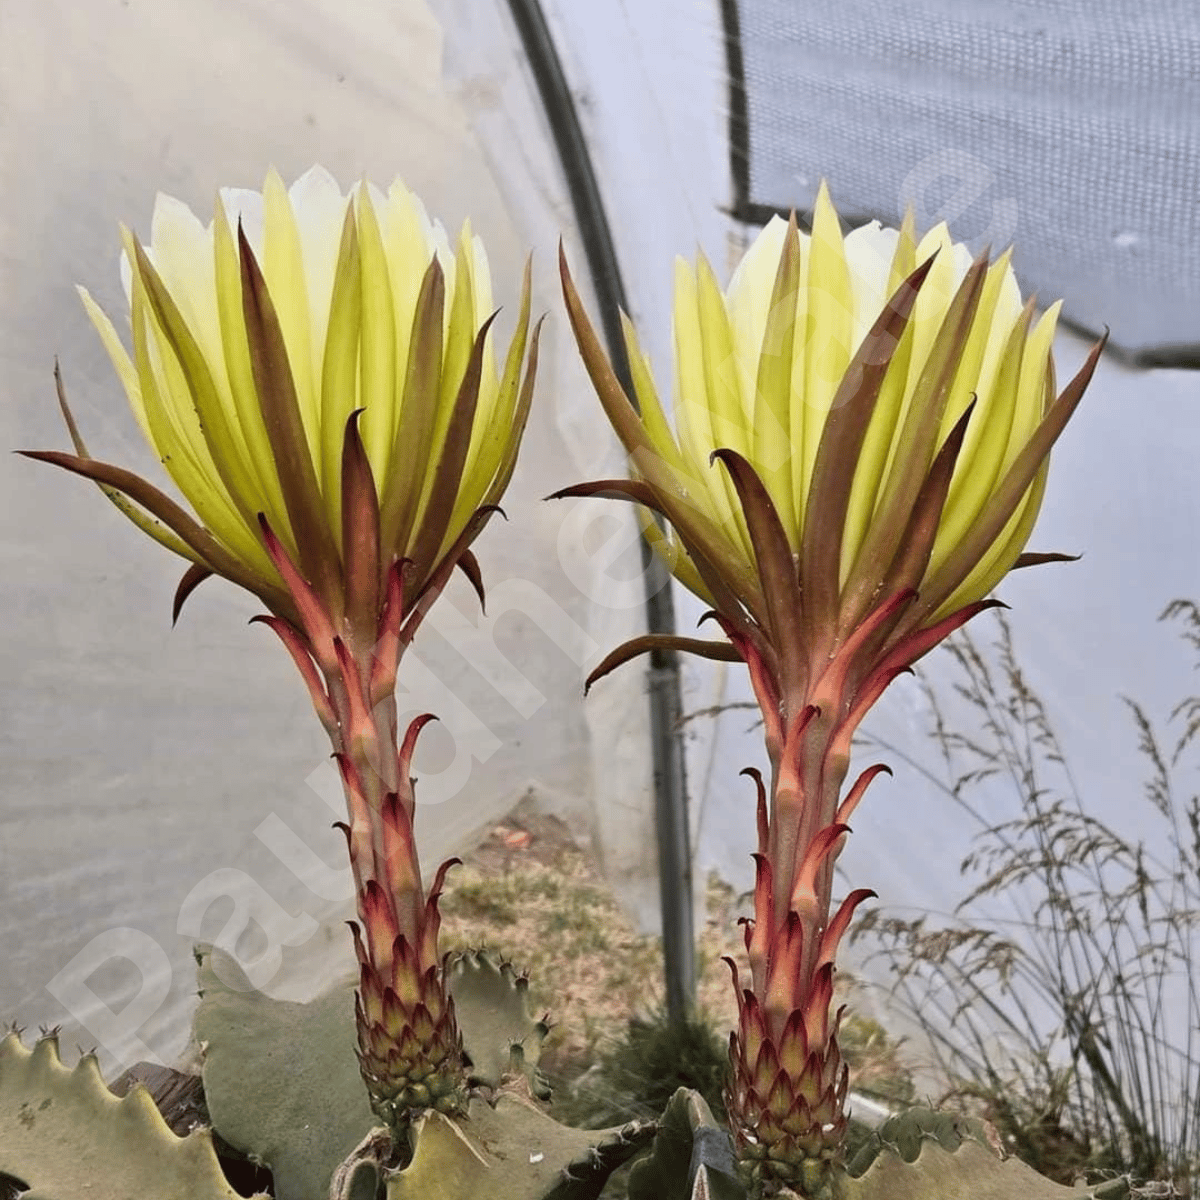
(316, 372)
(859, 451)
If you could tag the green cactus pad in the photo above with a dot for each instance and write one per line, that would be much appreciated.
(906, 1134)
(66, 1135)
(692, 1158)
(512, 1151)
(927, 1155)
(281, 1079)
(500, 1036)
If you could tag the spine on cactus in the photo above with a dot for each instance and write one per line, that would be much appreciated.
(317, 374)
(859, 451)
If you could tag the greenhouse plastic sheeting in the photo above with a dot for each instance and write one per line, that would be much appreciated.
(1071, 127)
(162, 786)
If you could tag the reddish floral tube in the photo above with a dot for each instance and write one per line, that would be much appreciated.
(316, 372)
(859, 450)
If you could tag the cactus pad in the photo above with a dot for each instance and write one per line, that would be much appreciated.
(66, 1135)
(927, 1155)
(500, 1036)
(512, 1151)
(692, 1158)
(281, 1079)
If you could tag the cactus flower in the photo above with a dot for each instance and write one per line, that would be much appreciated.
(858, 454)
(316, 373)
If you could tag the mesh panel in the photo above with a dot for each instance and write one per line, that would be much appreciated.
(1073, 128)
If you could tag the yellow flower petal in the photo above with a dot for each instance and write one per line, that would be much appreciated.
(287, 281)
(342, 275)
(377, 366)
(758, 368)
(829, 329)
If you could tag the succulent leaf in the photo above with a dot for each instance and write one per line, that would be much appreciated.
(513, 1151)
(282, 1079)
(66, 1135)
(922, 1154)
(692, 1157)
(500, 1036)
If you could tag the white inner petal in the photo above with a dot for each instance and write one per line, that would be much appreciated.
(245, 206)
(869, 253)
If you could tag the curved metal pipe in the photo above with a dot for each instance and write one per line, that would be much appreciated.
(666, 746)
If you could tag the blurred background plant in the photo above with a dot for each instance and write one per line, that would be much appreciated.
(1060, 1033)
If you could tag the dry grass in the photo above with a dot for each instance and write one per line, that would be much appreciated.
(530, 892)
(1080, 1038)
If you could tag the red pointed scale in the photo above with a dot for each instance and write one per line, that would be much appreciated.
(816, 1006)
(819, 849)
(898, 660)
(737, 1058)
(769, 1129)
(793, 1045)
(764, 680)
(405, 979)
(747, 926)
(765, 1067)
(422, 1023)
(398, 866)
(779, 1097)
(918, 643)
(314, 616)
(468, 564)
(360, 950)
(649, 643)
(361, 727)
(360, 533)
(432, 918)
(800, 723)
(762, 821)
(193, 577)
(362, 847)
(798, 1121)
(733, 970)
(370, 991)
(393, 1017)
(752, 1026)
(386, 659)
(430, 586)
(407, 1048)
(833, 681)
(759, 943)
(808, 1082)
(409, 745)
(836, 929)
(379, 920)
(432, 995)
(856, 793)
(783, 979)
(295, 644)
(113, 479)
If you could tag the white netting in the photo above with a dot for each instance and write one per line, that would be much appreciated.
(1073, 127)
